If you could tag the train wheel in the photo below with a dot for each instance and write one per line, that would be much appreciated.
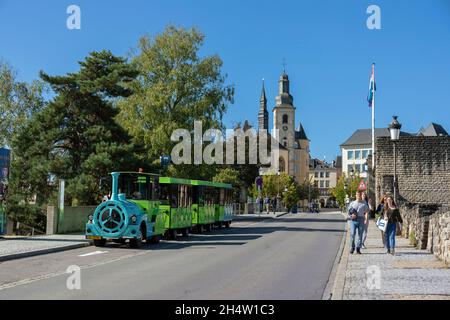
(137, 242)
(185, 232)
(173, 234)
(100, 243)
(219, 224)
(200, 228)
(208, 227)
(227, 224)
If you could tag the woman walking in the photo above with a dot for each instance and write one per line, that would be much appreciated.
(392, 215)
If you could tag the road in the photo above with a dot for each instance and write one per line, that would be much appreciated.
(290, 257)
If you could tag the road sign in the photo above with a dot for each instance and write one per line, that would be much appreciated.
(362, 186)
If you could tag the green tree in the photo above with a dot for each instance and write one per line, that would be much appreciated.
(18, 102)
(233, 176)
(345, 186)
(175, 87)
(75, 137)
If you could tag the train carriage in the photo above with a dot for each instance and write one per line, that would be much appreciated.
(148, 207)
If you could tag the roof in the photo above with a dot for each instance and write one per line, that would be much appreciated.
(300, 133)
(364, 136)
(433, 130)
(171, 180)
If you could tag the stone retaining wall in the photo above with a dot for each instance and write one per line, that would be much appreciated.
(439, 236)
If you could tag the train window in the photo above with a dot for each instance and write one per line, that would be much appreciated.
(222, 196)
(136, 187)
(174, 201)
(164, 194)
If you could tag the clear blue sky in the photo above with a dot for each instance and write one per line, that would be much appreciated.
(326, 44)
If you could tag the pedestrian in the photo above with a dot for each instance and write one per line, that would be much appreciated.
(274, 205)
(366, 225)
(379, 213)
(267, 203)
(358, 216)
(392, 214)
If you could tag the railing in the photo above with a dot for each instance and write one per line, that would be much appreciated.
(25, 230)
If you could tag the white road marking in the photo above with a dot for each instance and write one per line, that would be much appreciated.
(92, 253)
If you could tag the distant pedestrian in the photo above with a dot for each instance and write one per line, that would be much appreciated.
(358, 216)
(267, 203)
(366, 225)
(274, 204)
(392, 214)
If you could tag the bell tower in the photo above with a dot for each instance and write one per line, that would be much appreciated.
(284, 114)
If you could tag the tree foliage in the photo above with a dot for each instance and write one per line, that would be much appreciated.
(345, 186)
(175, 87)
(75, 137)
(18, 102)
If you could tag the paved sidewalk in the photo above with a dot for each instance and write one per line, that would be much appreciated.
(20, 247)
(410, 274)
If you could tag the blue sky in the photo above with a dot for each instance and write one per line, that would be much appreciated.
(326, 44)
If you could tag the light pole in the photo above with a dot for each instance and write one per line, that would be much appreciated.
(394, 128)
(278, 194)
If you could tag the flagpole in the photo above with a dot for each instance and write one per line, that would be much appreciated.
(373, 118)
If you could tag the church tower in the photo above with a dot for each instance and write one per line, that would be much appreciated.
(284, 114)
(263, 114)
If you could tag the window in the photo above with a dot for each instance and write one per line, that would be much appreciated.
(358, 154)
(285, 118)
(350, 155)
(349, 168)
(321, 174)
(316, 183)
(316, 174)
(357, 168)
(365, 154)
(327, 174)
(327, 184)
(321, 183)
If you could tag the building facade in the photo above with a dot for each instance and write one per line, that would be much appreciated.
(294, 144)
(324, 176)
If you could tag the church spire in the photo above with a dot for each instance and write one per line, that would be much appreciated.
(284, 97)
(263, 115)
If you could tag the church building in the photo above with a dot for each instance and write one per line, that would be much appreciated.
(293, 142)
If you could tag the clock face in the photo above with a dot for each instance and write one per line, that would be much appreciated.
(285, 128)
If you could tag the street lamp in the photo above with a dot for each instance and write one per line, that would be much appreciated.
(394, 129)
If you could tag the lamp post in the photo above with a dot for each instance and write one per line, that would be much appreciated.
(394, 129)
(278, 194)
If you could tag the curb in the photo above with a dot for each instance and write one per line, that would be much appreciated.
(337, 276)
(27, 254)
(337, 292)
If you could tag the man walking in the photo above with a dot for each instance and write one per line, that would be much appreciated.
(358, 216)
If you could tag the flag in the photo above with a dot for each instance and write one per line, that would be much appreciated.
(372, 87)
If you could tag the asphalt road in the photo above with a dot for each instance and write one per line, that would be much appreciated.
(290, 257)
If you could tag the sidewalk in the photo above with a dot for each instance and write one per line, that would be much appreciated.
(21, 247)
(411, 274)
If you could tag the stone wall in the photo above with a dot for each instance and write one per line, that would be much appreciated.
(423, 169)
(439, 235)
(423, 177)
(72, 221)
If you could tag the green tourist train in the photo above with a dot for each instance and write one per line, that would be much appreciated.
(148, 207)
